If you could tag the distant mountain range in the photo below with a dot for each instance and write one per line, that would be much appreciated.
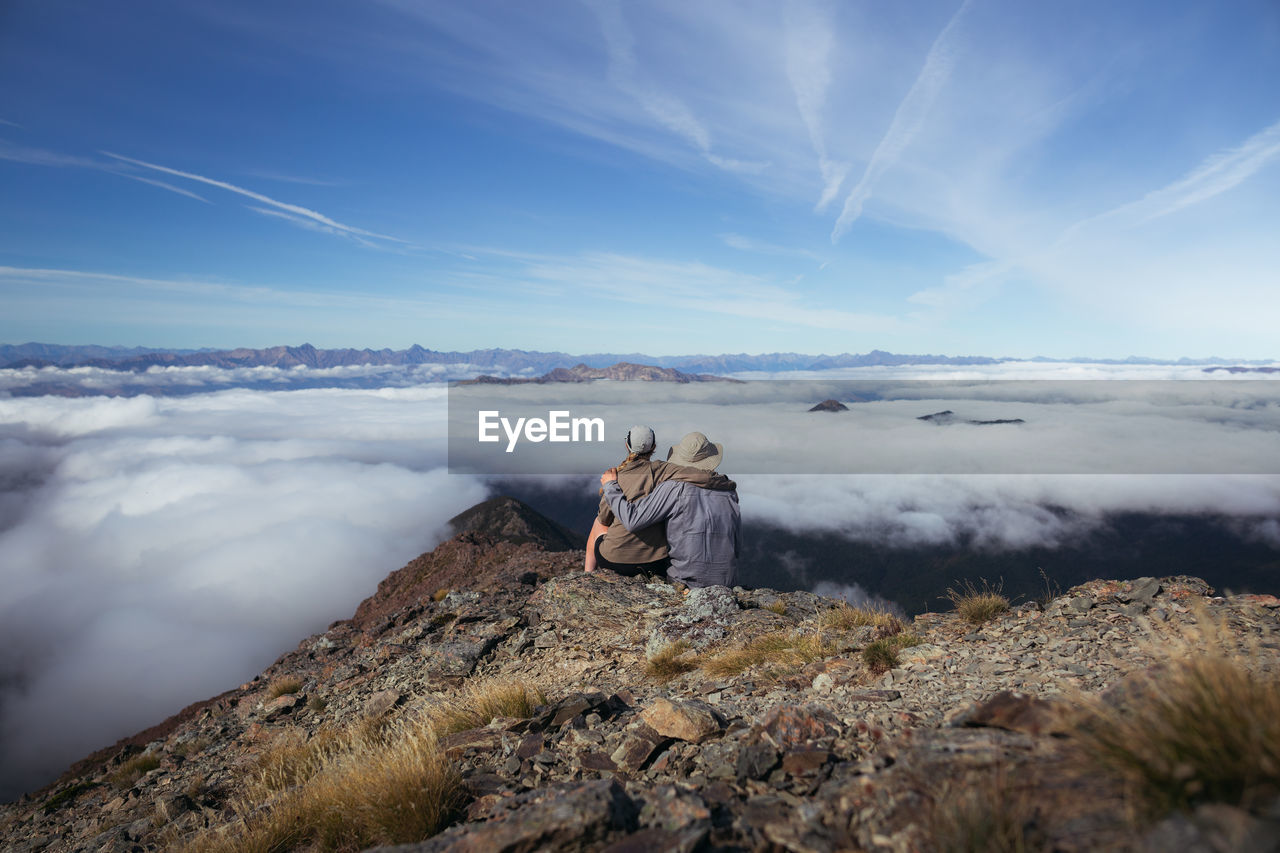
(507, 361)
(623, 371)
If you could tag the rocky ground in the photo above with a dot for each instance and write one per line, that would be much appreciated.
(818, 756)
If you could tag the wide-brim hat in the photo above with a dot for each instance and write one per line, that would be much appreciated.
(695, 450)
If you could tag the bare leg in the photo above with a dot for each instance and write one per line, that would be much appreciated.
(597, 530)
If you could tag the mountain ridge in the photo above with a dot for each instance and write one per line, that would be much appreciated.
(513, 360)
(623, 371)
(818, 753)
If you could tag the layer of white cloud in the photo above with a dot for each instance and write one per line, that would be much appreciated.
(1209, 426)
(161, 550)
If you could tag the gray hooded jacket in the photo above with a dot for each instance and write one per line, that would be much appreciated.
(704, 528)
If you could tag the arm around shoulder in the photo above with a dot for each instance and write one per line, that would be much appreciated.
(643, 511)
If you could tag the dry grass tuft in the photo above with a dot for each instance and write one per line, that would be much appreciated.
(978, 606)
(1199, 728)
(440, 595)
(399, 790)
(667, 662)
(482, 701)
(779, 652)
(293, 761)
(846, 617)
(982, 814)
(133, 770)
(779, 607)
(379, 781)
(296, 760)
(283, 686)
(881, 655)
(1051, 591)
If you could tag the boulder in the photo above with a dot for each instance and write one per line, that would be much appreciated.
(688, 720)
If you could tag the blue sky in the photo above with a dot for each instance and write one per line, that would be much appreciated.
(996, 178)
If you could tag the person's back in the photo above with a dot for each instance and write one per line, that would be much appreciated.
(609, 544)
(619, 546)
(703, 527)
(703, 521)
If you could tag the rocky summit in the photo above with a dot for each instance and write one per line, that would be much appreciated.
(648, 717)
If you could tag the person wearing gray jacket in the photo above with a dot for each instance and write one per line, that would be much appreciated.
(704, 526)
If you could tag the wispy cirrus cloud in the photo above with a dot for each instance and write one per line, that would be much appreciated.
(1216, 174)
(667, 109)
(313, 225)
(296, 211)
(763, 247)
(1104, 250)
(122, 286)
(125, 167)
(294, 179)
(809, 39)
(907, 121)
(61, 277)
(1219, 173)
(164, 186)
(691, 286)
(43, 157)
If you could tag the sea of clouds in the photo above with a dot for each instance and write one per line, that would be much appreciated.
(159, 549)
(1209, 426)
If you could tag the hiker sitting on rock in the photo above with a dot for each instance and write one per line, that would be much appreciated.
(703, 527)
(609, 544)
(612, 546)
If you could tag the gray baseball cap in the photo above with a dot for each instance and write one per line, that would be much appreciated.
(695, 450)
(640, 439)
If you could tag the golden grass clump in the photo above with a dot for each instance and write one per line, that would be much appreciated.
(1198, 728)
(978, 605)
(668, 662)
(480, 702)
(294, 760)
(283, 686)
(779, 607)
(397, 790)
(846, 617)
(378, 781)
(881, 655)
(779, 651)
(132, 770)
